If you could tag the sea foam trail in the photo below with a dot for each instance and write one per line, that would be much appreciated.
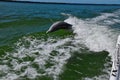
(34, 58)
(95, 36)
(48, 56)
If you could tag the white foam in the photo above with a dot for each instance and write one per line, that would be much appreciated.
(30, 72)
(102, 17)
(42, 58)
(10, 76)
(95, 37)
(106, 18)
(4, 68)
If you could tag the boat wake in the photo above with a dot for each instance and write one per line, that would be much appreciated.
(35, 58)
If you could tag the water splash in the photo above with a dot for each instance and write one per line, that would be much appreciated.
(97, 37)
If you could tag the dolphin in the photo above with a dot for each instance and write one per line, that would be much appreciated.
(59, 25)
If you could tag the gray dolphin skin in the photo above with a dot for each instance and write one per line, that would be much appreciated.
(59, 25)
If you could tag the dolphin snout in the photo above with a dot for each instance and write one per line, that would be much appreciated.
(47, 31)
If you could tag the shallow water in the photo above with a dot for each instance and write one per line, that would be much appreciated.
(27, 52)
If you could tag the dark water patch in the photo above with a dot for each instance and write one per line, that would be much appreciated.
(83, 65)
(88, 14)
(110, 10)
(26, 22)
(57, 34)
(8, 40)
(4, 49)
(115, 26)
(44, 78)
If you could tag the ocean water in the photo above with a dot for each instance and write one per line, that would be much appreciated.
(28, 53)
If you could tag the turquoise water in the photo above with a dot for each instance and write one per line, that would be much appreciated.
(28, 53)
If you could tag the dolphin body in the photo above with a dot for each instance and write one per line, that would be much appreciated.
(59, 25)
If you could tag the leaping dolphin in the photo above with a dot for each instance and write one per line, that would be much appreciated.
(59, 25)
